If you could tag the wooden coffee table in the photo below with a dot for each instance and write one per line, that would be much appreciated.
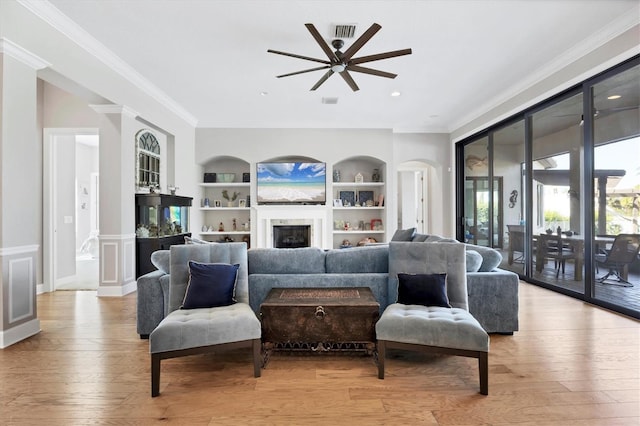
(319, 320)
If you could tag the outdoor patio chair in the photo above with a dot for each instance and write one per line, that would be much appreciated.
(623, 252)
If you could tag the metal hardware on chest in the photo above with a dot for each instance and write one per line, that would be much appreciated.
(320, 313)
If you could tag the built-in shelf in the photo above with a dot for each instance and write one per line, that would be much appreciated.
(356, 184)
(359, 208)
(225, 208)
(226, 184)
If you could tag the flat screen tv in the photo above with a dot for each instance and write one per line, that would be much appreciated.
(291, 183)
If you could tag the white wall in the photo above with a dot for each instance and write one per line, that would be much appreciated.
(435, 150)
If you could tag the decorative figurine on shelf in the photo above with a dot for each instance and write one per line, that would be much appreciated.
(230, 198)
(345, 244)
(375, 176)
(173, 189)
(359, 178)
(221, 227)
(234, 226)
(336, 175)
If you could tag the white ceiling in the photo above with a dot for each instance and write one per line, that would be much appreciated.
(210, 56)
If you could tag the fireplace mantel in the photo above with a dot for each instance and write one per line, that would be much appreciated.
(268, 216)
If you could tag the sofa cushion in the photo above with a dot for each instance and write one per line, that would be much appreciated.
(419, 238)
(403, 234)
(210, 285)
(474, 260)
(161, 259)
(423, 289)
(491, 258)
(358, 260)
(191, 240)
(189, 328)
(303, 260)
(430, 258)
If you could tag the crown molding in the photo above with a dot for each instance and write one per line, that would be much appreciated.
(52, 16)
(616, 28)
(18, 53)
(114, 109)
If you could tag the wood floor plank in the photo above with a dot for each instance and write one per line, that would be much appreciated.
(570, 364)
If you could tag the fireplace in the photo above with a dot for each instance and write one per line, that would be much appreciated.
(313, 217)
(291, 236)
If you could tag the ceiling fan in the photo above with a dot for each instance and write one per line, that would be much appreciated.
(599, 113)
(344, 62)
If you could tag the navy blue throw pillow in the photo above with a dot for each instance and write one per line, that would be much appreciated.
(210, 285)
(423, 289)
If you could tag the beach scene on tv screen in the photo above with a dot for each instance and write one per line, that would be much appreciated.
(291, 182)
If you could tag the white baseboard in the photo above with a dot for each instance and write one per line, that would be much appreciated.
(116, 290)
(18, 333)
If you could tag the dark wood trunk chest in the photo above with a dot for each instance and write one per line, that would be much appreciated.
(319, 319)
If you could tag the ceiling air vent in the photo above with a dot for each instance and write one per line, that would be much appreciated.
(344, 31)
(330, 101)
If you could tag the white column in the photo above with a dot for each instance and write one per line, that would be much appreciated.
(117, 200)
(20, 193)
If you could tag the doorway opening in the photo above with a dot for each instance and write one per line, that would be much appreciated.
(71, 208)
(418, 193)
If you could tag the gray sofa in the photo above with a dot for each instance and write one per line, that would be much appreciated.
(493, 293)
(313, 267)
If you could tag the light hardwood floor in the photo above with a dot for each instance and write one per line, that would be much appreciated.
(570, 364)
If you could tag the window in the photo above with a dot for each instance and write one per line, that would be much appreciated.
(148, 164)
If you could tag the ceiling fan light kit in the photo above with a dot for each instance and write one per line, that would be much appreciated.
(343, 62)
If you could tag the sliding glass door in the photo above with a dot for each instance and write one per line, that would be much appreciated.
(557, 166)
(616, 201)
(564, 179)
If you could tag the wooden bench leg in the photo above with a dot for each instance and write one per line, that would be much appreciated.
(381, 356)
(155, 375)
(257, 357)
(483, 365)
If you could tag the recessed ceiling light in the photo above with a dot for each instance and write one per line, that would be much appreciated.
(264, 93)
(612, 97)
(395, 94)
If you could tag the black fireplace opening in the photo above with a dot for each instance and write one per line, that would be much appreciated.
(291, 236)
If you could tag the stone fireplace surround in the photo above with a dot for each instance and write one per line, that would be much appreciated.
(269, 216)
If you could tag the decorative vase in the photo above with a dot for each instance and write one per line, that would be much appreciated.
(375, 176)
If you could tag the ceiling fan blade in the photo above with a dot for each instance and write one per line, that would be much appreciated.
(293, 55)
(303, 71)
(323, 44)
(347, 77)
(622, 108)
(371, 71)
(322, 80)
(357, 45)
(379, 56)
